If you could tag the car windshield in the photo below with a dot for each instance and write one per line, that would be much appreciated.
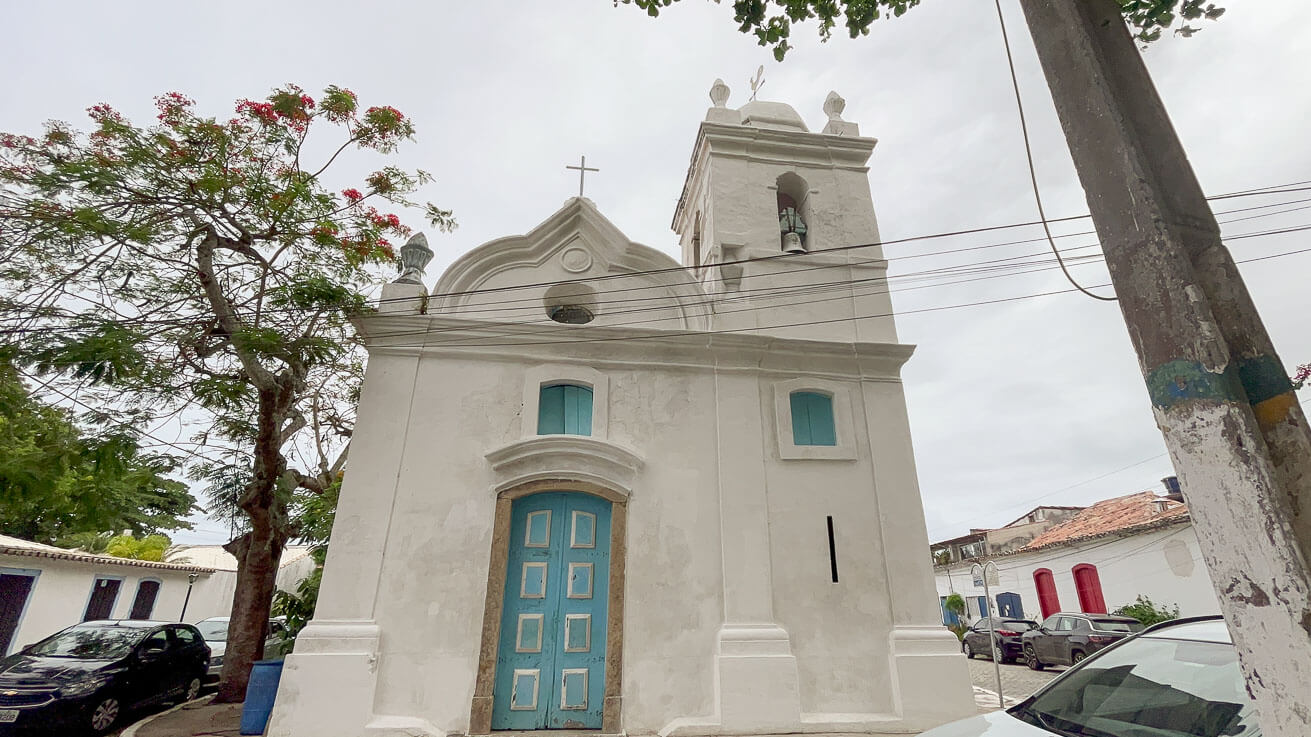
(92, 643)
(213, 630)
(1150, 687)
(1115, 625)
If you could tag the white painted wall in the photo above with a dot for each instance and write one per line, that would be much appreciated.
(63, 589)
(1164, 565)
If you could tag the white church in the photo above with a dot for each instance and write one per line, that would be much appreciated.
(594, 489)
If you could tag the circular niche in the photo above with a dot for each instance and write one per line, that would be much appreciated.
(571, 304)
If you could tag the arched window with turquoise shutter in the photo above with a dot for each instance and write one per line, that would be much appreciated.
(812, 419)
(565, 409)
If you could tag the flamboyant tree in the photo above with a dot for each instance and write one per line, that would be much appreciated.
(201, 265)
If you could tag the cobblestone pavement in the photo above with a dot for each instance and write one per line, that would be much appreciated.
(1017, 681)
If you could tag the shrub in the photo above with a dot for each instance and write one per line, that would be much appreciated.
(1143, 610)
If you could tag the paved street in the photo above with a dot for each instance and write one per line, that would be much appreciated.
(1017, 681)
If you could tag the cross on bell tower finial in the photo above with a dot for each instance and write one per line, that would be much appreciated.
(582, 168)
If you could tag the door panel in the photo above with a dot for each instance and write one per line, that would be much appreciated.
(550, 668)
(104, 593)
(14, 590)
(1008, 605)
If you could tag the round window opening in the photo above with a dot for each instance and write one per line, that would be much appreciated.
(570, 314)
(571, 303)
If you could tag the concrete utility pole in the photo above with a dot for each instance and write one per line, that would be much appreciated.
(1236, 433)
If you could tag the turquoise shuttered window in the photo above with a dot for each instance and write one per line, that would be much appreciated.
(565, 409)
(812, 419)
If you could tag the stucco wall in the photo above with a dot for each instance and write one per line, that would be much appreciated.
(1164, 565)
(434, 572)
(63, 589)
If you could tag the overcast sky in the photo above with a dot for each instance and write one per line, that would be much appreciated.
(1012, 405)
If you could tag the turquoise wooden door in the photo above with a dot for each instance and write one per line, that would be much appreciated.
(550, 665)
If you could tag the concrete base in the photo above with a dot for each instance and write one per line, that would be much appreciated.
(332, 659)
(931, 676)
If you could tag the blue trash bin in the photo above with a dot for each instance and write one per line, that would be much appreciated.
(260, 692)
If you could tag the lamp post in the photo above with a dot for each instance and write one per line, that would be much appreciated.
(191, 581)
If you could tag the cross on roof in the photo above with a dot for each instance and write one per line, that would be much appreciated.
(582, 168)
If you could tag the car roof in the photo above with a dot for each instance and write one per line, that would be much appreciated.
(1206, 629)
(131, 623)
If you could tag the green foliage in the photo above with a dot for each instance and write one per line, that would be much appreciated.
(959, 629)
(1143, 610)
(955, 604)
(90, 542)
(770, 21)
(150, 547)
(59, 481)
(298, 607)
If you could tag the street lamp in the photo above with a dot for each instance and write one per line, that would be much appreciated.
(191, 581)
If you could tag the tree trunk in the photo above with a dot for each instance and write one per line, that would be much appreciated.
(259, 551)
(257, 570)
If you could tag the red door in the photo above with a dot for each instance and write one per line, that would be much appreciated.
(1089, 586)
(1048, 601)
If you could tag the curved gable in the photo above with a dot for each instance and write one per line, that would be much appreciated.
(575, 257)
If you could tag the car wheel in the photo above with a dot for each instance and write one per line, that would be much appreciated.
(998, 656)
(193, 689)
(1078, 657)
(1031, 658)
(104, 714)
(965, 648)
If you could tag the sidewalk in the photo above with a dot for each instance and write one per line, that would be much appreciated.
(199, 718)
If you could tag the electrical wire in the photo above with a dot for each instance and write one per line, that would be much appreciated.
(1033, 175)
(1273, 189)
(519, 329)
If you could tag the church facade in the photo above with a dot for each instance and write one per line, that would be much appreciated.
(593, 488)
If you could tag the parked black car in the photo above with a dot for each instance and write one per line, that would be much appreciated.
(1066, 639)
(1007, 630)
(85, 677)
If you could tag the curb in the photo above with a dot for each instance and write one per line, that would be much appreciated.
(131, 731)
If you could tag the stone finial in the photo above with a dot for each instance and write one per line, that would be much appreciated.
(834, 105)
(836, 126)
(719, 93)
(415, 255)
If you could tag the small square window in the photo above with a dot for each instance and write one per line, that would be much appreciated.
(812, 419)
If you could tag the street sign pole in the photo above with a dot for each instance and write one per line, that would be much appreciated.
(988, 575)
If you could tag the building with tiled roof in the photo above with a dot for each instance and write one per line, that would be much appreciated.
(44, 589)
(1097, 559)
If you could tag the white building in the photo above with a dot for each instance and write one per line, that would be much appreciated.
(592, 488)
(212, 596)
(1102, 558)
(44, 589)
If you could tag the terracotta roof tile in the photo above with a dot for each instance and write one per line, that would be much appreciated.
(1111, 515)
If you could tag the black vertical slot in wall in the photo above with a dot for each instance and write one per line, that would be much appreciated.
(832, 551)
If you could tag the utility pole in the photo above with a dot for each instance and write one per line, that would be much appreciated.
(1235, 431)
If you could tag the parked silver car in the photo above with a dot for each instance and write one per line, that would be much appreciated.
(1177, 679)
(215, 632)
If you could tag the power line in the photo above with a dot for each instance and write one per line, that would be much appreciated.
(487, 326)
(86, 406)
(1269, 190)
(1033, 174)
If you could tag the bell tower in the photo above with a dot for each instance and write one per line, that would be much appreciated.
(778, 223)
